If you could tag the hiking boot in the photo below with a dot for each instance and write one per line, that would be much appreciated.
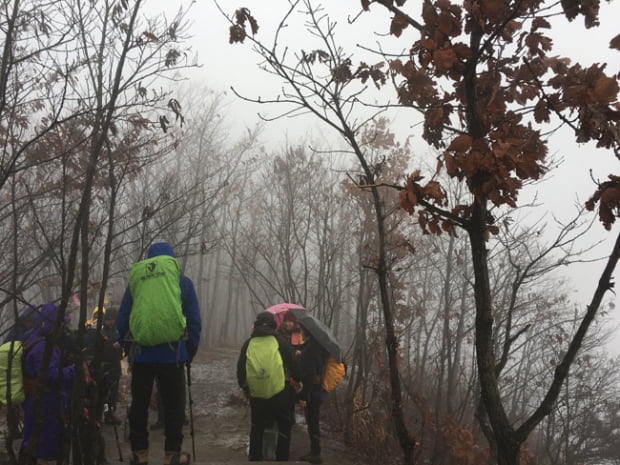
(139, 457)
(312, 458)
(176, 458)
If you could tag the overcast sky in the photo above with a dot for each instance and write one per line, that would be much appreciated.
(226, 65)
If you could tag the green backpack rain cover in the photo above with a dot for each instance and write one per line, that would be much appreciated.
(156, 314)
(264, 367)
(11, 380)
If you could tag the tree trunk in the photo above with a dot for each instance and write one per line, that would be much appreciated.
(505, 438)
(407, 443)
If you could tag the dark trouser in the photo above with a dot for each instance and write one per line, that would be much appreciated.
(160, 410)
(264, 412)
(292, 401)
(171, 383)
(313, 412)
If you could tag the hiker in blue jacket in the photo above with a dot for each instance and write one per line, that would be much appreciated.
(164, 363)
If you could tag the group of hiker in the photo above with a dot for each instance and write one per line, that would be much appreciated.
(276, 372)
(157, 326)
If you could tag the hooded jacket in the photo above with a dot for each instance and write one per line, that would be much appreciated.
(36, 341)
(168, 352)
(57, 385)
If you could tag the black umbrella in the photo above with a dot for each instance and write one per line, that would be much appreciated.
(319, 331)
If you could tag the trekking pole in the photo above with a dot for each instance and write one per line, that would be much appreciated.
(191, 409)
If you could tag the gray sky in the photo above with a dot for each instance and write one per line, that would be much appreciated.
(226, 65)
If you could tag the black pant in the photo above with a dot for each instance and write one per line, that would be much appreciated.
(171, 384)
(264, 412)
(313, 412)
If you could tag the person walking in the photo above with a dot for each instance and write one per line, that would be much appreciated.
(109, 368)
(156, 306)
(265, 360)
(312, 363)
(291, 331)
(51, 400)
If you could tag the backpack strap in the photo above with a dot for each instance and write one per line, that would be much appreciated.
(135, 348)
(32, 343)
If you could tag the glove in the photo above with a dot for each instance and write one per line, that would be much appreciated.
(191, 352)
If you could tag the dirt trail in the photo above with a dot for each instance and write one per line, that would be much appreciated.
(221, 420)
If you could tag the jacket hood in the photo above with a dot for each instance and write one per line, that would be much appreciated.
(265, 319)
(265, 325)
(44, 320)
(262, 330)
(160, 248)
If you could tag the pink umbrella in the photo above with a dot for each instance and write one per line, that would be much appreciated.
(279, 310)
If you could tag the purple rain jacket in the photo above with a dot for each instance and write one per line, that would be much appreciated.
(55, 402)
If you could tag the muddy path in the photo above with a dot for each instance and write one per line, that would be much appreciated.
(221, 419)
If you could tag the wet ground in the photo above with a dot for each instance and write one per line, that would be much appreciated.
(221, 420)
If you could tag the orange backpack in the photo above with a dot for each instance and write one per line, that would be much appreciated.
(335, 372)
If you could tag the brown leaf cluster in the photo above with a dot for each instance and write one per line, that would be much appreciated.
(237, 32)
(587, 8)
(417, 85)
(461, 445)
(607, 196)
(150, 36)
(342, 72)
(416, 193)
(495, 168)
(435, 50)
(506, 150)
(398, 24)
(365, 72)
(594, 97)
(61, 156)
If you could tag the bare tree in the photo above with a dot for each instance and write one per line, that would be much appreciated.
(331, 97)
(492, 149)
(84, 90)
